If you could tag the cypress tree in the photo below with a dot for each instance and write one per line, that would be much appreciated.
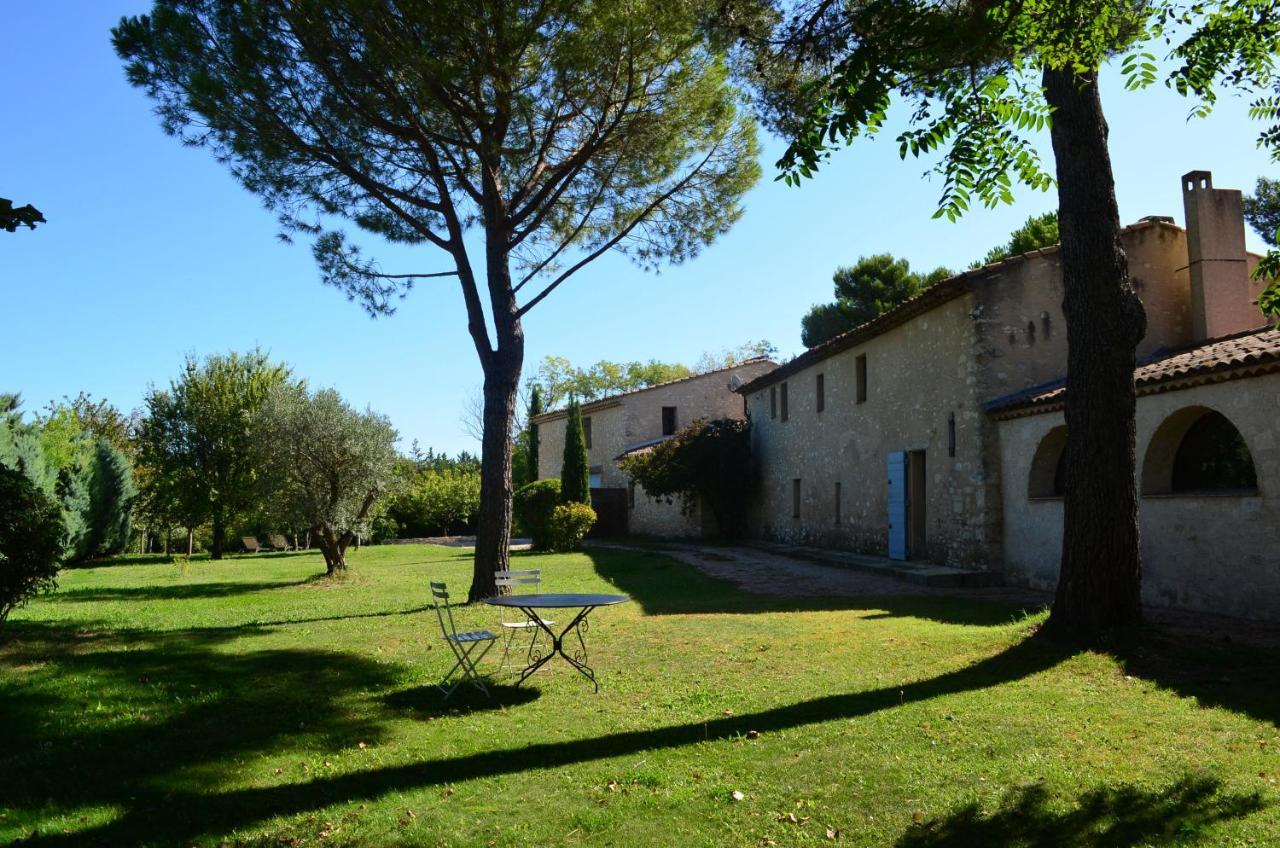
(575, 477)
(535, 409)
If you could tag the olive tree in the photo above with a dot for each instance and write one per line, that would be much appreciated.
(327, 464)
(517, 141)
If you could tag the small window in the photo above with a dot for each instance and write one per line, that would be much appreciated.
(586, 432)
(951, 434)
(773, 401)
(837, 503)
(596, 473)
(1213, 457)
(668, 420)
(860, 377)
(820, 389)
(795, 498)
(631, 495)
(785, 414)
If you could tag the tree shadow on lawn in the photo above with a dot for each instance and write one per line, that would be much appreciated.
(1107, 817)
(169, 702)
(172, 592)
(154, 813)
(665, 586)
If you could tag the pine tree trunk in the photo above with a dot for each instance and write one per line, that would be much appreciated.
(1099, 584)
(493, 527)
(502, 364)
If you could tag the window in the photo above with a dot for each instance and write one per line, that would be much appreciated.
(586, 432)
(596, 473)
(785, 415)
(795, 498)
(837, 503)
(860, 377)
(820, 390)
(1213, 457)
(773, 401)
(668, 420)
(951, 434)
(1049, 466)
(1197, 449)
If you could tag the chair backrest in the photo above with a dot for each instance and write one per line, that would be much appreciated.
(522, 577)
(440, 598)
(250, 543)
(278, 541)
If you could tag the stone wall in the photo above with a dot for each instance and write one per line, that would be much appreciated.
(1022, 332)
(919, 375)
(636, 417)
(1217, 553)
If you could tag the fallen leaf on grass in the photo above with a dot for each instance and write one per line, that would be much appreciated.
(738, 795)
(833, 833)
(917, 817)
(612, 785)
(753, 734)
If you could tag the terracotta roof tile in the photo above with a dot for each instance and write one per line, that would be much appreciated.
(1253, 348)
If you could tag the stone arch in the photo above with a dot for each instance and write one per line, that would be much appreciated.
(1197, 449)
(1048, 467)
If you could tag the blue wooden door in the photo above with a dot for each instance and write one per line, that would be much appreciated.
(898, 505)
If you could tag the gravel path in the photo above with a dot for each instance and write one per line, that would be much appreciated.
(767, 573)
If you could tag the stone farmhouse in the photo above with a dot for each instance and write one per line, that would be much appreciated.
(619, 424)
(935, 432)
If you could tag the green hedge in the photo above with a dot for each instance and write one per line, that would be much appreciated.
(533, 505)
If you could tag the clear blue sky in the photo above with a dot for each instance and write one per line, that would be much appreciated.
(152, 250)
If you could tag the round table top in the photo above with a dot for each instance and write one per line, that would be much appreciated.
(556, 601)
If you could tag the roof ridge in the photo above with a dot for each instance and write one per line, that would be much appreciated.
(752, 360)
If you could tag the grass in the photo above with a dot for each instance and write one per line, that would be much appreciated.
(251, 702)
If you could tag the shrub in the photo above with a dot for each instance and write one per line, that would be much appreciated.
(707, 462)
(31, 538)
(533, 505)
(569, 525)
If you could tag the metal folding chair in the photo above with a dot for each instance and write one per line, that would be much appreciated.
(511, 581)
(464, 645)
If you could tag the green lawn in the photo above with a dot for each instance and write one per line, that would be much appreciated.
(250, 702)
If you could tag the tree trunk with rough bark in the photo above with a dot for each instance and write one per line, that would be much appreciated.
(502, 364)
(334, 549)
(219, 534)
(1099, 583)
(493, 528)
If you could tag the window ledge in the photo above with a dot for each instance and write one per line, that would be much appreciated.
(1043, 498)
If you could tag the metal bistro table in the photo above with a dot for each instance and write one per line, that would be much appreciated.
(530, 604)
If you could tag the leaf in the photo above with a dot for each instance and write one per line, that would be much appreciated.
(833, 833)
(738, 795)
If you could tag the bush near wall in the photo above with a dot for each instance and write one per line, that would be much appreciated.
(569, 525)
(533, 505)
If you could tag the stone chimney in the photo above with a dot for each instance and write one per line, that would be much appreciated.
(1222, 299)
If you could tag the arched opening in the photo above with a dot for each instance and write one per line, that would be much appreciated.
(1198, 450)
(1048, 477)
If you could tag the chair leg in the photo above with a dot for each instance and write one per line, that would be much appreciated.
(469, 667)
